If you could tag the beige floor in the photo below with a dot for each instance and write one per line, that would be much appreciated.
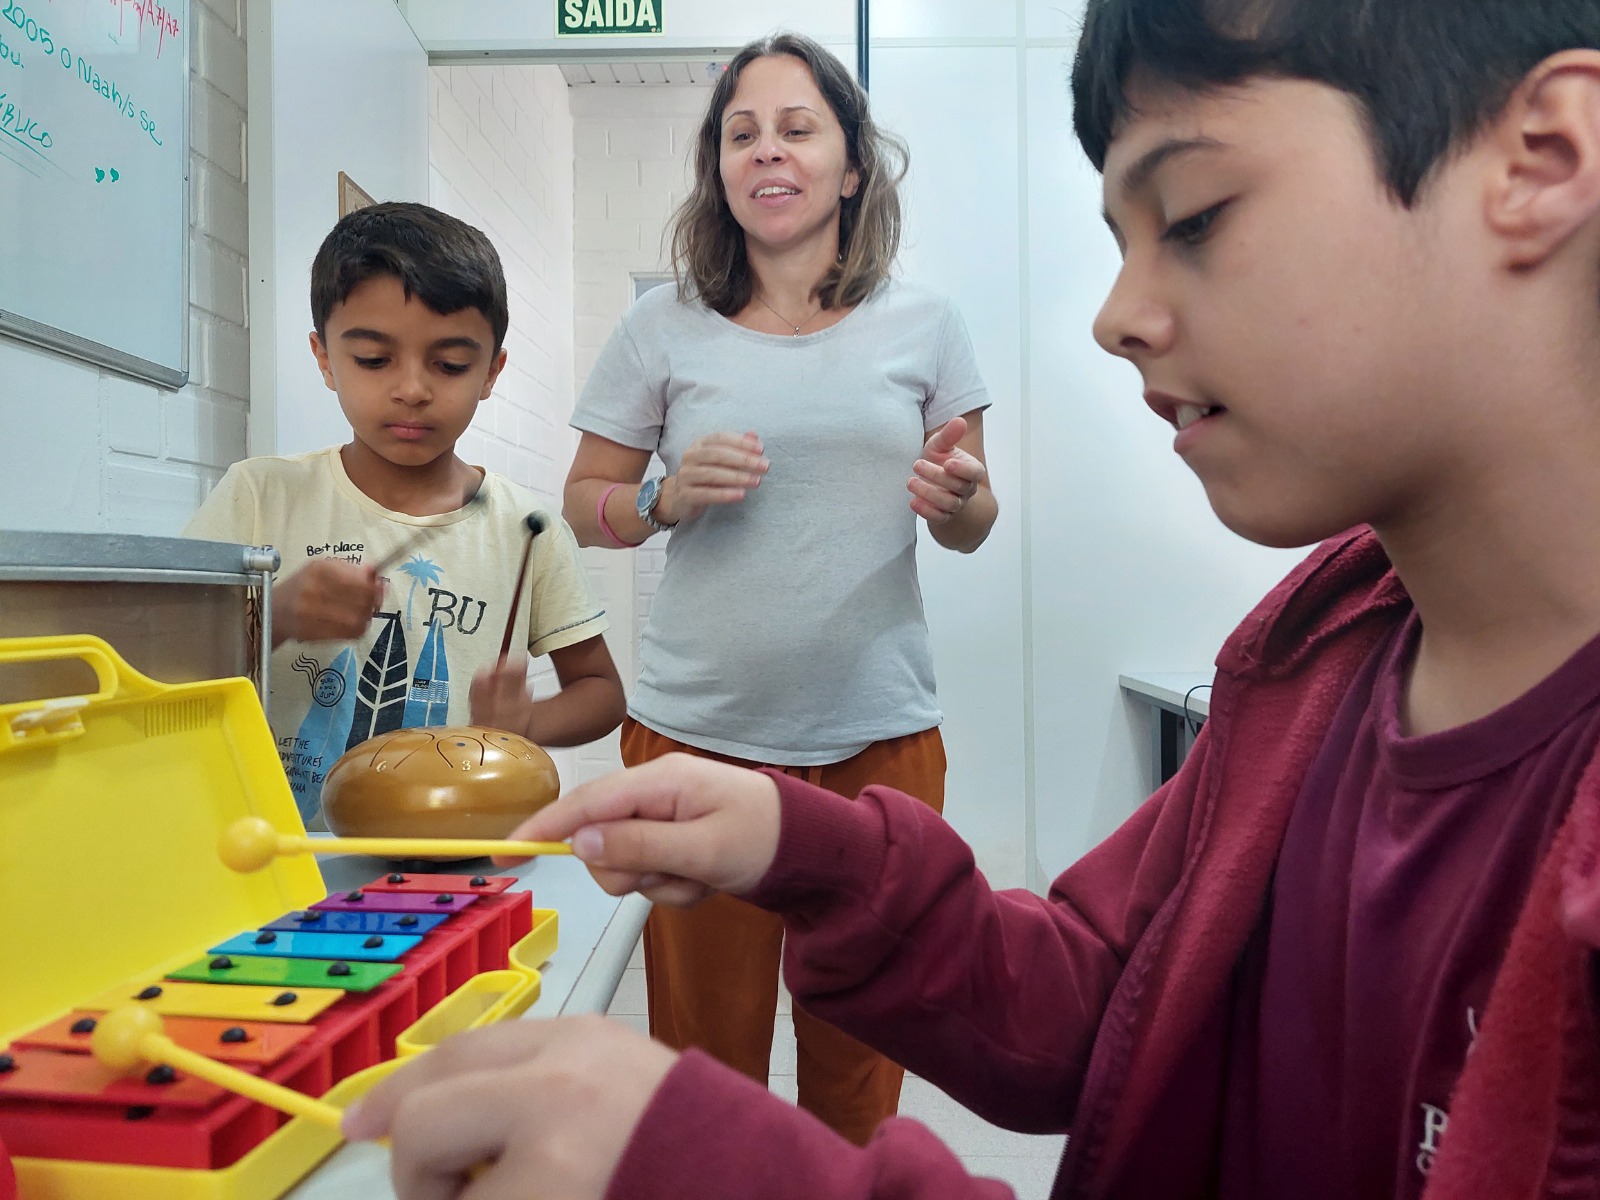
(1028, 1164)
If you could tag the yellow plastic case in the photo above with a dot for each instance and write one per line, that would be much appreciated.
(490, 996)
(110, 809)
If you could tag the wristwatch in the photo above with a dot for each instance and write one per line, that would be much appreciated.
(649, 494)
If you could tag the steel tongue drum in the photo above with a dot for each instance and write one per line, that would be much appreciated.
(462, 781)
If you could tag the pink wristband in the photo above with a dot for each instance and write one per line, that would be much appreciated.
(605, 525)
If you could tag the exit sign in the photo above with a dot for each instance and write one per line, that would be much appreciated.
(607, 18)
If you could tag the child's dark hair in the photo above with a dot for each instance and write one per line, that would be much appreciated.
(1427, 74)
(442, 261)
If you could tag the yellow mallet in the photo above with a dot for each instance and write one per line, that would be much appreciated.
(128, 1038)
(250, 843)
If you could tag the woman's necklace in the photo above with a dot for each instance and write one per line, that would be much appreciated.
(786, 321)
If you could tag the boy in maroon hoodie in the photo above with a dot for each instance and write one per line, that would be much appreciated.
(1349, 951)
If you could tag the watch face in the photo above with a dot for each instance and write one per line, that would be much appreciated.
(648, 491)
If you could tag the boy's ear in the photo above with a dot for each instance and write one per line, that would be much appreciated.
(1546, 186)
(320, 352)
(498, 365)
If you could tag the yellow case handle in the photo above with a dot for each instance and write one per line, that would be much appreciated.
(60, 718)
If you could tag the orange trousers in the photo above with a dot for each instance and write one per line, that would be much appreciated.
(712, 970)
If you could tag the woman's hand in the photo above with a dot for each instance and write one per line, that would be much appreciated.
(720, 468)
(676, 829)
(521, 1108)
(945, 477)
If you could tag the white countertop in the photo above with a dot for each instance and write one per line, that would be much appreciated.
(597, 934)
(1168, 690)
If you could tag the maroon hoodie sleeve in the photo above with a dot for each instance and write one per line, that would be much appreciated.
(894, 936)
(713, 1134)
(995, 997)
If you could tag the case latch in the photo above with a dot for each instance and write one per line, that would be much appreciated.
(52, 721)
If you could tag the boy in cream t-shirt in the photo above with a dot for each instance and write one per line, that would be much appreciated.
(409, 308)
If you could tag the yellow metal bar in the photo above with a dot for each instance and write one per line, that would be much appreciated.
(228, 1001)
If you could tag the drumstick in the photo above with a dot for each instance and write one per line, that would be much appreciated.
(535, 525)
(472, 499)
(127, 1038)
(250, 843)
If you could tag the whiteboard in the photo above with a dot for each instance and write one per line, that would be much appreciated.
(94, 181)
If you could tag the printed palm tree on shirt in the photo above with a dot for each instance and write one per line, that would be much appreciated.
(421, 571)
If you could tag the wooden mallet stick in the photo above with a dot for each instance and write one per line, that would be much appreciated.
(535, 524)
(423, 533)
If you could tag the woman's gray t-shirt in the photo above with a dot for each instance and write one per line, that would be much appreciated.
(788, 628)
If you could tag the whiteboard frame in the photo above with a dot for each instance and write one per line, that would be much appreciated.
(63, 341)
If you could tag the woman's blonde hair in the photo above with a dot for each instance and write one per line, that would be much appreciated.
(708, 251)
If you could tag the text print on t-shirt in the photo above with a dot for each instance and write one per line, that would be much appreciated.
(389, 689)
(1435, 1120)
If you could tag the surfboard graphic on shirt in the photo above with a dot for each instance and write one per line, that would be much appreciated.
(429, 701)
(381, 690)
(323, 732)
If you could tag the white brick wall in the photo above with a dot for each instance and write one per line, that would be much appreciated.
(633, 159)
(501, 156)
(88, 450)
(633, 146)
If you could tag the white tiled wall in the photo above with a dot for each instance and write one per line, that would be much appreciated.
(501, 156)
(88, 450)
(633, 146)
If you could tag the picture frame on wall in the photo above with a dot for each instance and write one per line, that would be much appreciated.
(351, 196)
